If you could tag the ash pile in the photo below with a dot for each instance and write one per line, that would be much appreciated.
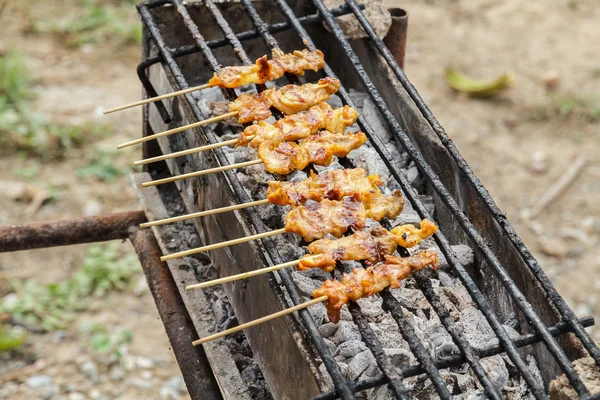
(343, 338)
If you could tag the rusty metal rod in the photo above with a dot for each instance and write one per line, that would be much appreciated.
(395, 40)
(69, 231)
(194, 366)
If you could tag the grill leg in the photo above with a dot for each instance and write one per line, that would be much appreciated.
(395, 40)
(197, 374)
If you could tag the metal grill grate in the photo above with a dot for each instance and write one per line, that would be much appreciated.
(390, 375)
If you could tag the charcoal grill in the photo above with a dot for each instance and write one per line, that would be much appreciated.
(183, 44)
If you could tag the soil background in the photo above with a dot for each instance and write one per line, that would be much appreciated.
(518, 143)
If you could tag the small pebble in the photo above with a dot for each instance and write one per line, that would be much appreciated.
(38, 381)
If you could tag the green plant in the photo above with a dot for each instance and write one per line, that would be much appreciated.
(28, 173)
(102, 167)
(54, 305)
(94, 21)
(566, 106)
(29, 132)
(105, 341)
(10, 339)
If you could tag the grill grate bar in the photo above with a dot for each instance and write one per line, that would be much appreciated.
(560, 328)
(461, 218)
(527, 257)
(440, 239)
(332, 367)
(393, 378)
(216, 43)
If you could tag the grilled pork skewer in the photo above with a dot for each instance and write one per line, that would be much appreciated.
(363, 282)
(359, 283)
(262, 71)
(289, 99)
(312, 221)
(287, 157)
(361, 246)
(332, 185)
(292, 127)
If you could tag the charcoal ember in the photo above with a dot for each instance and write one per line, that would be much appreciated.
(440, 341)
(358, 98)
(371, 306)
(466, 383)
(400, 358)
(350, 348)
(305, 285)
(345, 332)
(476, 329)
(328, 329)
(376, 121)
(326, 377)
(496, 370)
(359, 364)
(332, 347)
(315, 273)
(463, 253)
(367, 158)
(318, 313)
(374, 11)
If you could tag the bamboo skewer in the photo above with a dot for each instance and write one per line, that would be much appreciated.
(260, 320)
(243, 275)
(203, 213)
(179, 129)
(157, 98)
(222, 244)
(200, 173)
(188, 151)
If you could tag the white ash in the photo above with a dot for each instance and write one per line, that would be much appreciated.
(344, 340)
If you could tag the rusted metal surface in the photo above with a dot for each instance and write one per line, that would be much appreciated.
(69, 231)
(196, 370)
(395, 40)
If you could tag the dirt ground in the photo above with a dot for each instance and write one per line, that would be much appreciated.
(518, 143)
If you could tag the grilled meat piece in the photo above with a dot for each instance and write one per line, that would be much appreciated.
(371, 246)
(317, 149)
(289, 99)
(336, 184)
(315, 220)
(363, 282)
(268, 70)
(299, 126)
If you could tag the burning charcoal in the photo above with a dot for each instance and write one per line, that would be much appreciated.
(319, 313)
(371, 307)
(305, 285)
(400, 358)
(367, 158)
(328, 330)
(346, 331)
(466, 383)
(376, 121)
(476, 329)
(332, 347)
(464, 254)
(326, 377)
(350, 348)
(359, 364)
(496, 370)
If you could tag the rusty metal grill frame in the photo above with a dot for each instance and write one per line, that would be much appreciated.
(343, 388)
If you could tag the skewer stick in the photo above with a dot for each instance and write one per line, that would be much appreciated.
(222, 244)
(156, 98)
(179, 129)
(243, 275)
(260, 320)
(200, 173)
(203, 213)
(188, 151)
